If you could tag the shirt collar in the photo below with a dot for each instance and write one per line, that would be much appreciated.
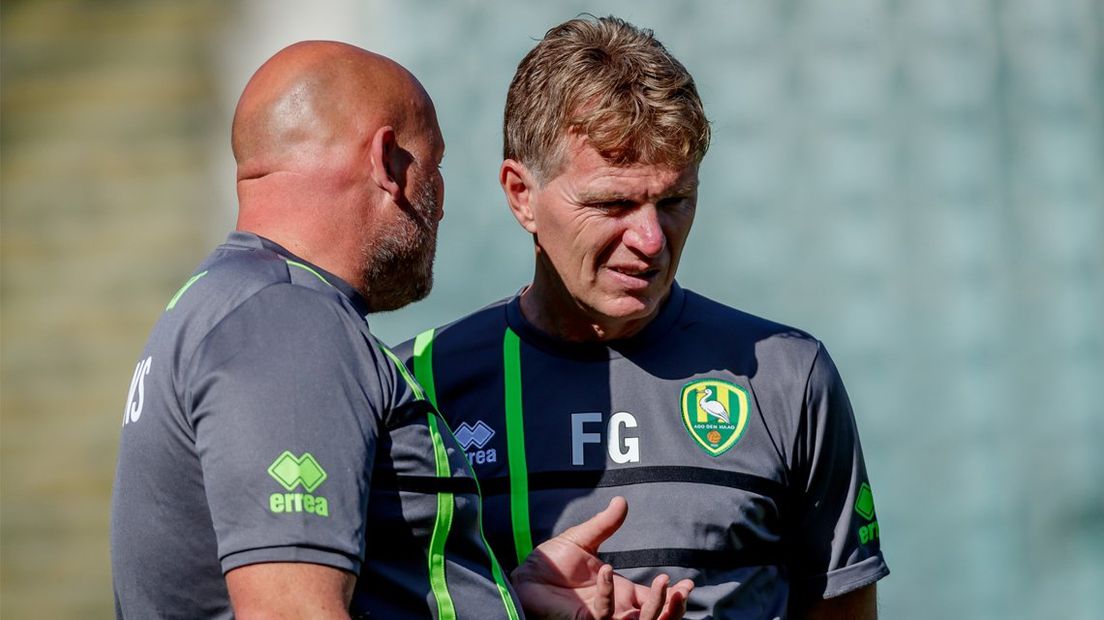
(252, 240)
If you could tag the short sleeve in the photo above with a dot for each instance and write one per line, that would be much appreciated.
(837, 542)
(284, 400)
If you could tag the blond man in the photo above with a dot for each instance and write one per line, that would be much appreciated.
(731, 436)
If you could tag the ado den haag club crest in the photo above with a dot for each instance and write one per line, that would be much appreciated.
(715, 413)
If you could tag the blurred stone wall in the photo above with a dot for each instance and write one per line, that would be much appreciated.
(106, 201)
(917, 182)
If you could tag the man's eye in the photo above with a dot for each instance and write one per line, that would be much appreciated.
(673, 202)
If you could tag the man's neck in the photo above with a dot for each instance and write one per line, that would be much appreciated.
(564, 318)
(296, 243)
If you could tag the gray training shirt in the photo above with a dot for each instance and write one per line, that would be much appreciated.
(730, 436)
(264, 423)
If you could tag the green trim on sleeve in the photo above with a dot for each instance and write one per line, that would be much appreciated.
(438, 581)
(180, 293)
(515, 446)
(423, 371)
(423, 364)
(419, 393)
(308, 268)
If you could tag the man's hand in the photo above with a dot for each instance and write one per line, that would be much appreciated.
(564, 579)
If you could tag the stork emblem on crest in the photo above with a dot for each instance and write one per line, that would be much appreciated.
(715, 413)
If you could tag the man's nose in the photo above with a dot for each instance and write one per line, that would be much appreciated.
(440, 189)
(644, 233)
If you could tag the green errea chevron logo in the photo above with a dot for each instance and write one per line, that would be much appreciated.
(290, 471)
(864, 506)
(864, 502)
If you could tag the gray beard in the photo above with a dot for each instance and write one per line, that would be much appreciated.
(398, 266)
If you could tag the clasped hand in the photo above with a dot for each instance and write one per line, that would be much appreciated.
(563, 578)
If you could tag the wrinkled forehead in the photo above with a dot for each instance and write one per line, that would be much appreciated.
(631, 149)
(583, 163)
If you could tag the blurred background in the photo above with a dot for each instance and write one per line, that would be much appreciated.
(918, 183)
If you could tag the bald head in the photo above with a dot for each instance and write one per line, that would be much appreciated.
(315, 95)
(338, 152)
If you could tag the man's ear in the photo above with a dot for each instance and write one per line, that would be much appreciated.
(383, 156)
(519, 185)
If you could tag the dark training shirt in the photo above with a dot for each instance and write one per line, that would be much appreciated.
(266, 424)
(731, 437)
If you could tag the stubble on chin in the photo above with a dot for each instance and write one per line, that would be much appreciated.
(398, 265)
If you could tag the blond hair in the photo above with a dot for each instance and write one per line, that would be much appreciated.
(614, 84)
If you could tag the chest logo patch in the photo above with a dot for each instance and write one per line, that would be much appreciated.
(474, 436)
(473, 439)
(715, 413)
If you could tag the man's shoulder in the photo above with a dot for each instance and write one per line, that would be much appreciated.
(233, 280)
(725, 324)
(700, 308)
(230, 275)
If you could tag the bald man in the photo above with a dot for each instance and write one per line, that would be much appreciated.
(275, 459)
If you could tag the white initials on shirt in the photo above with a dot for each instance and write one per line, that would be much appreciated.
(621, 450)
(133, 409)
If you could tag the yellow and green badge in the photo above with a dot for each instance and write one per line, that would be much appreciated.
(715, 413)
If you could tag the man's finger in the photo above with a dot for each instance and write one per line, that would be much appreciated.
(685, 586)
(603, 600)
(593, 532)
(676, 601)
(657, 596)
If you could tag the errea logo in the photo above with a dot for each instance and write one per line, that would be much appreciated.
(864, 506)
(291, 472)
(473, 438)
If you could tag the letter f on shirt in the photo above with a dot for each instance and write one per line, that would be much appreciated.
(579, 437)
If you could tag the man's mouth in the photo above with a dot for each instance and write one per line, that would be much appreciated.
(635, 276)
